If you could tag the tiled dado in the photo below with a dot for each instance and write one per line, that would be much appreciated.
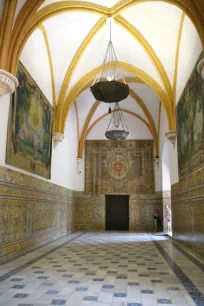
(142, 210)
(188, 211)
(89, 212)
(31, 211)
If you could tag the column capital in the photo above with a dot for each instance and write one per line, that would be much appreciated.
(8, 83)
(157, 160)
(57, 138)
(171, 136)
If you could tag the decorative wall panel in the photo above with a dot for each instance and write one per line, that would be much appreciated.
(190, 125)
(188, 211)
(30, 127)
(188, 194)
(32, 211)
(89, 212)
(142, 211)
(124, 167)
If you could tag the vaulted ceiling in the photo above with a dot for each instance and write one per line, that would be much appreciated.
(63, 43)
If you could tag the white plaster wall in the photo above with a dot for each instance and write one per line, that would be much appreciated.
(127, 50)
(65, 154)
(137, 130)
(4, 111)
(172, 151)
(84, 103)
(34, 58)
(159, 23)
(166, 179)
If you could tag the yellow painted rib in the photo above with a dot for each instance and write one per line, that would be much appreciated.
(141, 103)
(149, 51)
(159, 123)
(133, 79)
(126, 67)
(27, 11)
(85, 127)
(80, 154)
(77, 120)
(24, 27)
(60, 7)
(177, 57)
(78, 56)
(44, 14)
(42, 28)
(6, 30)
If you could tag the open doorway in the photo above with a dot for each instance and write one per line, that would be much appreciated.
(166, 190)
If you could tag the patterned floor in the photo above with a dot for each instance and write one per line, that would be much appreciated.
(104, 269)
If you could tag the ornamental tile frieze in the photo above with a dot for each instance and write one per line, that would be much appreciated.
(12, 221)
(31, 211)
(18, 179)
(89, 212)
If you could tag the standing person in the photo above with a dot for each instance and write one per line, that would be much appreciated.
(156, 220)
(167, 219)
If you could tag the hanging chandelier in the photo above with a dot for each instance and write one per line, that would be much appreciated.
(110, 90)
(117, 128)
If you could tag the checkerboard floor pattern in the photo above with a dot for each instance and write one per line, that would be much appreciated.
(103, 269)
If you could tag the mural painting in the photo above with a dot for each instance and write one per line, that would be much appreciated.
(30, 127)
(190, 131)
(124, 167)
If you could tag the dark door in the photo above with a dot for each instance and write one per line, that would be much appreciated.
(117, 212)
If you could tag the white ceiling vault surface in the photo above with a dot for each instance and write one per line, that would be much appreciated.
(107, 3)
(157, 23)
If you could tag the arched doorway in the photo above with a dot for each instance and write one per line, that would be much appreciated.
(166, 189)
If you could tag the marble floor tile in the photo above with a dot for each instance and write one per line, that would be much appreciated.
(104, 269)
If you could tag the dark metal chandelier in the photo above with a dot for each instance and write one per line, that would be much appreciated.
(109, 90)
(117, 128)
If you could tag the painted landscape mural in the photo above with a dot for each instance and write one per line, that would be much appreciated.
(190, 131)
(30, 128)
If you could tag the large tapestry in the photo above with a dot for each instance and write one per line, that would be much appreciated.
(124, 167)
(30, 127)
(190, 119)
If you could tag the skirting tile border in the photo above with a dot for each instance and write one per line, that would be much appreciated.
(186, 253)
(31, 249)
(192, 290)
(31, 262)
(51, 234)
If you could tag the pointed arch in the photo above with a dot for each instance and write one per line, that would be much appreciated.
(64, 110)
(80, 152)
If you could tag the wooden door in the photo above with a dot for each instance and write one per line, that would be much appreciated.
(117, 212)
